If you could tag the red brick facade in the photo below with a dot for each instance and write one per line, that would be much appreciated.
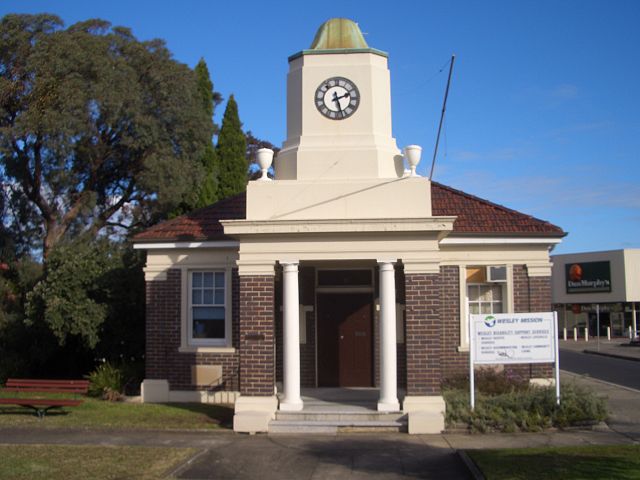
(454, 362)
(257, 335)
(163, 324)
(423, 333)
(531, 294)
(430, 351)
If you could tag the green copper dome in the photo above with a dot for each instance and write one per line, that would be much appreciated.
(338, 33)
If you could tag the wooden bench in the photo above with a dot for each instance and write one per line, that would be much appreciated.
(39, 404)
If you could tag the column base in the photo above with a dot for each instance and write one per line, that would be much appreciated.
(253, 414)
(389, 406)
(154, 391)
(295, 406)
(425, 413)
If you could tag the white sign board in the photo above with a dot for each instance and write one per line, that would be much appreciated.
(505, 338)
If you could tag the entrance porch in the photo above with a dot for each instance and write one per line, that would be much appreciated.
(333, 410)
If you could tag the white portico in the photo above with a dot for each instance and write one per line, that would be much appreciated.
(341, 195)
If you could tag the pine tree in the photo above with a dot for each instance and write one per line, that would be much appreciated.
(231, 151)
(208, 193)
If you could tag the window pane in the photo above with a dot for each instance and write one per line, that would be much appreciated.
(208, 322)
(219, 279)
(473, 308)
(497, 293)
(208, 313)
(485, 293)
(207, 296)
(485, 308)
(196, 297)
(197, 279)
(219, 297)
(208, 279)
(473, 293)
(208, 329)
(497, 308)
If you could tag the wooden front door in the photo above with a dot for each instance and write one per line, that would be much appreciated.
(345, 340)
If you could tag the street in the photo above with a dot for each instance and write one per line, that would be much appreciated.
(614, 370)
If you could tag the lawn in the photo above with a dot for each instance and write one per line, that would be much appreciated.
(33, 462)
(94, 413)
(621, 462)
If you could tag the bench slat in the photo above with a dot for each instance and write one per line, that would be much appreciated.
(25, 402)
(34, 382)
(46, 386)
(44, 390)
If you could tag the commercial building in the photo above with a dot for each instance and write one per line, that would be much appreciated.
(594, 288)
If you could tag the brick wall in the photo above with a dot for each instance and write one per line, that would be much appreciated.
(531, 294)
(423, 333)
(163, 324)
(257, 335)
(453, 361)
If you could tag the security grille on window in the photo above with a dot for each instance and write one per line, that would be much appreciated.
(208, 305)
(485, 298)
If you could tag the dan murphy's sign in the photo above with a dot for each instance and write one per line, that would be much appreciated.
(588, 277)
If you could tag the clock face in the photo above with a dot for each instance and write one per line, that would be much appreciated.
(337, 98)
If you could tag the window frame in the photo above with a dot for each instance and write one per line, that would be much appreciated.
(507, 298)
(189, 343)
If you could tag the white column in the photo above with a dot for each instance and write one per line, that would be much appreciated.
(388, 401)
(291, 333)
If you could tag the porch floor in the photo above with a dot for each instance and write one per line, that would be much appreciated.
(342, 400)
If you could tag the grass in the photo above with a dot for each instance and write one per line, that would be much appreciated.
(621, 462)
(94, 413)
(34, 462)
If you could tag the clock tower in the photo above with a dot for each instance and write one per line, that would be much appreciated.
(339, 110)
(340, 160)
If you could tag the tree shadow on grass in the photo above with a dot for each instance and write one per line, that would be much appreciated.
(220, 415)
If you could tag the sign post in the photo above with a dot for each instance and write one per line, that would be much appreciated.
(511, 338)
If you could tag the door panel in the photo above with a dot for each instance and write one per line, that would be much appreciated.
(345, 340)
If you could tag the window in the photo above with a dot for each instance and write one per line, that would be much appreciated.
(485, 298)
(207, 310)
(483, 294)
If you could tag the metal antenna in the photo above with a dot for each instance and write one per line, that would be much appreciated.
(444, 107)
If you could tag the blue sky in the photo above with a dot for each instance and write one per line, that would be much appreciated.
(544, 109)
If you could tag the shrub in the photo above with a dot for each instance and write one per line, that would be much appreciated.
(524, 410)
(106, 382)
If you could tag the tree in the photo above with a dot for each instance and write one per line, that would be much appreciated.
(231, 151)
(97, 129)
(93, 295)
(207, 193)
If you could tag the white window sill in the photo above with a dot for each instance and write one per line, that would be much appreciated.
(205, 349)
(463, 348)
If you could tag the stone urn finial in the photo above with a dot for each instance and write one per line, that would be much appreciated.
(264, 157)
(413, 153)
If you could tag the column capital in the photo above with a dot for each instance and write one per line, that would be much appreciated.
(289, 265)
(386, 262)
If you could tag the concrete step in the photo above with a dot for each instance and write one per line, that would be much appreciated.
(339, 415)
(336, 426)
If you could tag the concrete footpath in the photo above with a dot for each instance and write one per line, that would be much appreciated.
(225, 455)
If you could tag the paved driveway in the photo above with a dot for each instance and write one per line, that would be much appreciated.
(327, 458)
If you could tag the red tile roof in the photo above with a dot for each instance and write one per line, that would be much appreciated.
(199, 225)
(479, 216)
(475, 216)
